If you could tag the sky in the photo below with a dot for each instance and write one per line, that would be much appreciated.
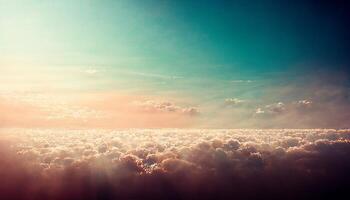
(175, 64)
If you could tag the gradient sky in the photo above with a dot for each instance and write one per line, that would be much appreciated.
(165, 63)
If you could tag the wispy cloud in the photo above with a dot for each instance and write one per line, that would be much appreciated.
(91, 71)
(241, 81)
(164, 106)
(154, 75)
(234, 101)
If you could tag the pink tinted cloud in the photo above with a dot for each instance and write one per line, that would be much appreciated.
(108, 110)
(174, 164)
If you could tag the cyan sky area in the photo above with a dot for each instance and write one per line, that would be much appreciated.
(262, 52)
(216, 38)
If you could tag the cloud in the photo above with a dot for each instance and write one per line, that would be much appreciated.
(241, 81)
(190, 111)
(154, 75)
(91, 110)
(313, 99)
(91, 71)
(303, 103)
(174, 164)
(271, 109)
(282, 108)
(233, 101)
(165, 107)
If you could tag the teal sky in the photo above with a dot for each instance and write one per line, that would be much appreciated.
(204, 50)
(175, 36)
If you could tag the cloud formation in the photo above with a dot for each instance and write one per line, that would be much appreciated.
(283, 108)
(174, 164)
(93, 110)
(304, 103)
(164, 106)
(233, 101)
(276, 108)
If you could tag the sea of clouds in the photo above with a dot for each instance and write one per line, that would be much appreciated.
(174, 164)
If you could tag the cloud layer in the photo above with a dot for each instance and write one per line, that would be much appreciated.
(174, 164)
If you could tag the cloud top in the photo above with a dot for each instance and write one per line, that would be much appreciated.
(174, 164)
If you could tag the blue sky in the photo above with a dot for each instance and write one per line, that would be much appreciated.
(202, 51)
